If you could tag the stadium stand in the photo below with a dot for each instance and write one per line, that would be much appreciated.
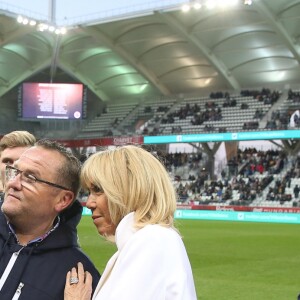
(109, 121)
(204, 114)
(266, 178)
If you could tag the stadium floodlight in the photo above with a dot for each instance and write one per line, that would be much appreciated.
(40, 26)
(197, 5)
(185, 7)
(63, 30)
(25, 21)
(19, 19)
(211, 4)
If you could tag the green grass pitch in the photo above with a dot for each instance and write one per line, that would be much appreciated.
(230, 260)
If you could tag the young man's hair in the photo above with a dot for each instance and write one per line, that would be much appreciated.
(17, 138)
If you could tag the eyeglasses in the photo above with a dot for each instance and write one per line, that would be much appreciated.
(11, 173)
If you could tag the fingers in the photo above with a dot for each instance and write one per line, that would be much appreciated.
(68, 278)
(81, 289)
(74, 273)
(88, 278)
(83, 276)
(80, 271)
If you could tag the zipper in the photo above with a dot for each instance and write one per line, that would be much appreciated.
(9, 267)
(18, 291)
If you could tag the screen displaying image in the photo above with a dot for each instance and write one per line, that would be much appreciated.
(52, 100)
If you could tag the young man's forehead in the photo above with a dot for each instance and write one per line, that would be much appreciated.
(13, 152)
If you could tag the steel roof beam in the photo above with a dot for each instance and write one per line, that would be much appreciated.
(191, 38)
(278, 27)
(100, 36)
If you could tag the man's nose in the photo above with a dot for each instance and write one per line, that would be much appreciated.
(15, 182)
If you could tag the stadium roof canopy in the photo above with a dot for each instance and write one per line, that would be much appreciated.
(159, 52)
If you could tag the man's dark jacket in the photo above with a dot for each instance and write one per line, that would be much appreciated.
(39, 272)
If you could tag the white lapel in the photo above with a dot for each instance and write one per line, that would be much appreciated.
(124, 232)
(109, 266)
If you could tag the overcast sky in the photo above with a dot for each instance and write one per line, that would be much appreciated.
(75, 11)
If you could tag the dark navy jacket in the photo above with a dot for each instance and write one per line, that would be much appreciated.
(39, 272)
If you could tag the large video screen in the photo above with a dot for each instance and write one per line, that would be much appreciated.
(52, 101)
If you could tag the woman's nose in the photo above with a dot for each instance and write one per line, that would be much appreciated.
(90, 203)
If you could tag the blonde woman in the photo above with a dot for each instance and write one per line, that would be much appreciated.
(133, 201)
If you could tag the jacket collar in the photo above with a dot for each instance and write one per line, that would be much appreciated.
(40, 238)
(125, 230)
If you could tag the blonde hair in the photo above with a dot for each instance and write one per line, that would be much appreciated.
(18, 138)
(132, 180)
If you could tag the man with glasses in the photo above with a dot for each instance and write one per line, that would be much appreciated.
(12, 145)
(39, 243)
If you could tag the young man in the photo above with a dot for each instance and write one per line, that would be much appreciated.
(12, 145)
(38, 245)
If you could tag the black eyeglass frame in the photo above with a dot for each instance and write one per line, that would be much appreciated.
(34, 178)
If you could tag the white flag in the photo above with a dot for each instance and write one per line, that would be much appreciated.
(295, 119)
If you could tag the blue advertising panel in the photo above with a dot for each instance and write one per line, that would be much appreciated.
(86, 211)
(223, 137)
(238, 216)
(292, 218)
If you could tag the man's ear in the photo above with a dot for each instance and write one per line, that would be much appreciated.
(66, 198)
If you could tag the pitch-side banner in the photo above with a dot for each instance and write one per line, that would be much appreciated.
(238, 216)
(223, 137)
(106, 141)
